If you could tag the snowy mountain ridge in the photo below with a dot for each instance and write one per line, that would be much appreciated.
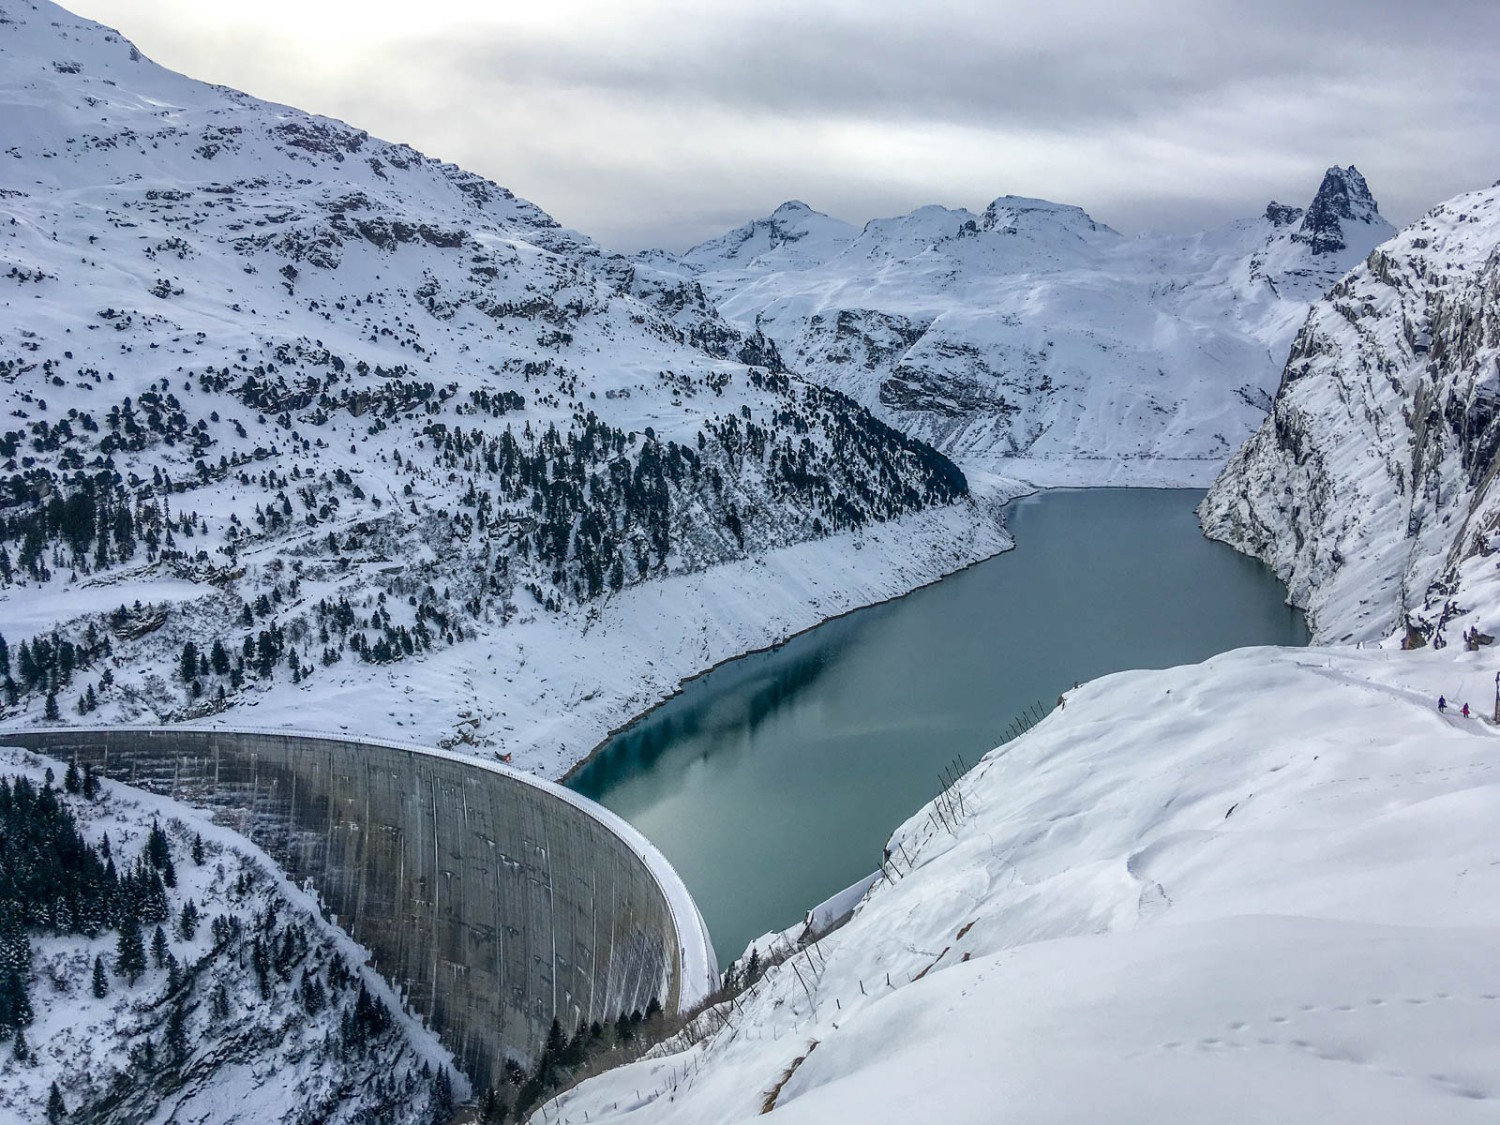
(1369, 487)
(338, 415)
(1031, 339)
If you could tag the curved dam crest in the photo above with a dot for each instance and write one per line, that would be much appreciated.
(492, 900)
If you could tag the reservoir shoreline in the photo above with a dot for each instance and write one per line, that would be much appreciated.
(772, 779)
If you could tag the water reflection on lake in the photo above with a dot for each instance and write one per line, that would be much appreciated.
(775, 780)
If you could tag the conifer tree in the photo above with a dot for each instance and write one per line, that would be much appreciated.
(130, 950)
(187, 921)
(101, 979)
(577, 1048)
(158, 851)
(442, 1097)
(187, 666)
(557, 1043)
(493, 1109)
(15, 1004)
(177, 1044)
(57, 1109)
(159, 949)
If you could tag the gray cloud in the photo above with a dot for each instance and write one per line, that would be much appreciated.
(662, 122)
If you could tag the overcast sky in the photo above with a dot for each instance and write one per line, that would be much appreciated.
(662, 122)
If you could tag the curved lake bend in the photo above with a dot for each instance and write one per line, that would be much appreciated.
(775, 780)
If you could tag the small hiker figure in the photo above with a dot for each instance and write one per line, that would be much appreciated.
(1466, 710)
(1442, 705)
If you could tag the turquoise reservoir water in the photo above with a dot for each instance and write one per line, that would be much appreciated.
(775, 780)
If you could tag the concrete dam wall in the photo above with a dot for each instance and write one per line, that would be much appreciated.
(494, 900)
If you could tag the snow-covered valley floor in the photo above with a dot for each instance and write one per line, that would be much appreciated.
(1263, 888)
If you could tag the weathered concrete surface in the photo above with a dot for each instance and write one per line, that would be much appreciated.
(494, 900)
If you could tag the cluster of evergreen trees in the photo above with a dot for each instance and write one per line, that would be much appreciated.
(566, 1060)
(49, 663)
(53, 881)
(604, 508)
(86, 520)
(868, 471)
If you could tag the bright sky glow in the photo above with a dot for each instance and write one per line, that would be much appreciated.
(662, 122)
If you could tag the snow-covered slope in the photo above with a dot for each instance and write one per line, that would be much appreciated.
(266, 1012)
(372, 425)
(1033, 339)
(1369, 487)
(1258, 889)
(794, 236)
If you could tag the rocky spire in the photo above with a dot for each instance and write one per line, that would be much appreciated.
(1343, 197)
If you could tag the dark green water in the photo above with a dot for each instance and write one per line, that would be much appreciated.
(775, 780)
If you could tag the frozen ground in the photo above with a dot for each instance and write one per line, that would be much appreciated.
(1262, 888)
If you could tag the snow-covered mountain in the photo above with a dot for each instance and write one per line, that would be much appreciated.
(341, 415)
(1258, 888)
(1261, 888)
(794, 236)
(1033, 339)
(1370, 486)
(250, 1007)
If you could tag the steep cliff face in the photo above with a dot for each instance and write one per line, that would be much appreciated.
(1032, 338)
(1369, 487)
(1343, 200)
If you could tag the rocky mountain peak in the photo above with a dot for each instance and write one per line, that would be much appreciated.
(1343, 197)
(1282, 214)
(1012, 213)
(793, 223)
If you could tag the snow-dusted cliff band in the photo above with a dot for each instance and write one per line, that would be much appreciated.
(1031, 338)
(1369, 487)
